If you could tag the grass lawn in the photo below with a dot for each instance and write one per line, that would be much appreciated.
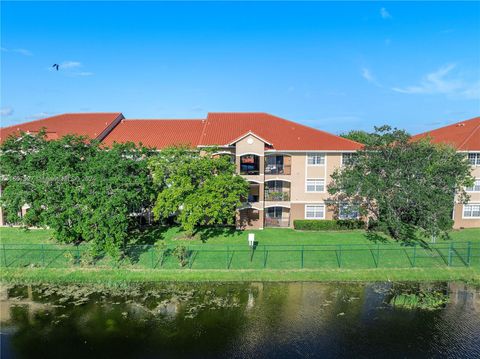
(281, 254)
(270, 236)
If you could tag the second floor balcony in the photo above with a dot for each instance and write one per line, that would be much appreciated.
(277, 191)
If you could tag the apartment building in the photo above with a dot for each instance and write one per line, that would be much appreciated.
(465, 137)
(288, 165)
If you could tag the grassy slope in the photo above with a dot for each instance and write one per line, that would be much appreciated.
(280, 270)
(110, 276)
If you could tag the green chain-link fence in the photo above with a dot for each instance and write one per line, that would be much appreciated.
(458, 254)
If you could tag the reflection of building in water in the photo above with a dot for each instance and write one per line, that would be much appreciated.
(7, 304)
(460, 293)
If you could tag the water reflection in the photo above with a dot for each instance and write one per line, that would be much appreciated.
(236, 320)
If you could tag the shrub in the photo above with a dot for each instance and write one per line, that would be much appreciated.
(327, 225)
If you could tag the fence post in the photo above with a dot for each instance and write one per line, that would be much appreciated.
(152, 256)
(43, 255)
(264, 256)
(228, 252)
(302, 256)
(5, 255)
(450, 255)
(469, 253)
(339, 256)
(378, 255)
(414, 255)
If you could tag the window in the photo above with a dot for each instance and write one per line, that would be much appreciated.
(348, 211)
(348, 158)
(315, 159)
(314, 211)
(475, 187)
(471, 211)
(474, 158)
(315, 185)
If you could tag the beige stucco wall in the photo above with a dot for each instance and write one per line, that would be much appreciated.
(463, 222)
(459, 221)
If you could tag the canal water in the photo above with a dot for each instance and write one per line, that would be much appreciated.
(247, 320)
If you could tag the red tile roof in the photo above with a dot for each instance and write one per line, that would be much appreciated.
(223, 128)
(157, 133)
(93, 125)
(464, 136)
(220, 129)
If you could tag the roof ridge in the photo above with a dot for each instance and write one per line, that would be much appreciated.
(446, 126)
(59, 115)
(164, 119)
(202, 132)
(30, 122)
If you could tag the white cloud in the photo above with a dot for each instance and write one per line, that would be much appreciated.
(84, 73)
(23, 52)
(367, 75)
(38, 115)
(443, 81)
(385, 14)
(6, 111)
(70, 64)
(72, 69)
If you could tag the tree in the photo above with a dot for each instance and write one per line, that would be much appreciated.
(84, 192)
(382, 134)
(408, 188)
(196, 189)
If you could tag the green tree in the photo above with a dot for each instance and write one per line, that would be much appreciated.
(407, 188)
(382, 134)
(196, 189)
(84, 192)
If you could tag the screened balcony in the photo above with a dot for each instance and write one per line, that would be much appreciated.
(277, 217)
(278, 165)
(249, 165)
(277, 190)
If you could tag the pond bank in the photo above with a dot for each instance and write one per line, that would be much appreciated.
(119, 276)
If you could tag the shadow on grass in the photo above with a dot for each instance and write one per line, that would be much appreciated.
(375, 237)
(206, 233)
(148, 235)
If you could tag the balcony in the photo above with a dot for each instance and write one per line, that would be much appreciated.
(278, 165)
(278, 169)
(277, 217)
(277, 190)
(277, 196)
(249, 165)
(253, 198)
(277, 223)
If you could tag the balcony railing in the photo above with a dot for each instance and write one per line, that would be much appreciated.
(277, 196)
(253, 198)
(276, 222)
(278, 169)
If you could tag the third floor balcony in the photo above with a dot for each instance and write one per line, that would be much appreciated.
(278, 164)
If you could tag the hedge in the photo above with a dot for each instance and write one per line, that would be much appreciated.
(327, 225)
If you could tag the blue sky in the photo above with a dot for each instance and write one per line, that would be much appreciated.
(334, 66)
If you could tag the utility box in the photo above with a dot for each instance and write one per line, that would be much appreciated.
(251, 239)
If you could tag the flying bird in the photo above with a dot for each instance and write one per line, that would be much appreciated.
(56, 66)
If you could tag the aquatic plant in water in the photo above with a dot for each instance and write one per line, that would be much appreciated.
(421, 300)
